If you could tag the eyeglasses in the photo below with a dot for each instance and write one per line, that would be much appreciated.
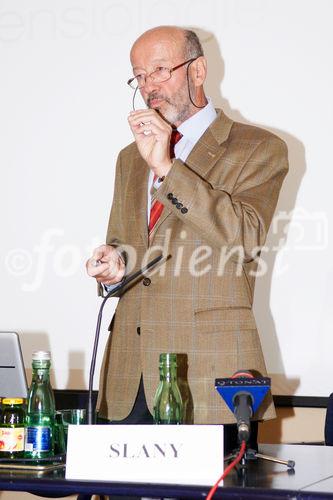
(159, 75)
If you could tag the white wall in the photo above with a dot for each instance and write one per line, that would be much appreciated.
(63, 118)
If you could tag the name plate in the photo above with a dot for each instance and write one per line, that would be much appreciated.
(165, 454)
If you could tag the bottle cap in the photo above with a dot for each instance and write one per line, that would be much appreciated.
(41, 356)
(12, 401)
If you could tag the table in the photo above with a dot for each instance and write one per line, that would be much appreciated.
(311, 478)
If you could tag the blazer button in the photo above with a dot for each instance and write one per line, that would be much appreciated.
(138, 330)
(184, 210)
(174, 201)
(179, 205)
(169, 196)
(146, 281)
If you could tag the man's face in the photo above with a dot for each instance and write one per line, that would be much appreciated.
(170, 98)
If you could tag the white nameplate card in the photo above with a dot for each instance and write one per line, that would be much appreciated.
(165, 454)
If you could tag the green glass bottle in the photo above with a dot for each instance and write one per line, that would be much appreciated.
(168, 405)
(12, 428)
(41, 409)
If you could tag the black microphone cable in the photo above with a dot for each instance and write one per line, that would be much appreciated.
(126, 281)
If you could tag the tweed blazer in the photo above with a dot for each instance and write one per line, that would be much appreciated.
(217, 210)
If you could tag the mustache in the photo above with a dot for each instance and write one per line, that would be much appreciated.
(155, 95)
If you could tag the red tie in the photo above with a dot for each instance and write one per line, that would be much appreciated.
(156, 206)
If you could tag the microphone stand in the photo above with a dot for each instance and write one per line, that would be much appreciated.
(111, 293)
(251, 454)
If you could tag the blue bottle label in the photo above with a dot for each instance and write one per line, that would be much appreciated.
(38, 439)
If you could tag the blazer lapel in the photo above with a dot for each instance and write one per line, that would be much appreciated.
(210, 147)
(205, 153)
(139, 190)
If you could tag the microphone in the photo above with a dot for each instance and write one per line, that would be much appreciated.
(243, 393)
(114, 291)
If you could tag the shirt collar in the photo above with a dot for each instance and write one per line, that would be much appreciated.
(193, 128)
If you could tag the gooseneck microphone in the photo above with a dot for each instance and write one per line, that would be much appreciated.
(243, 393)
(111, 293)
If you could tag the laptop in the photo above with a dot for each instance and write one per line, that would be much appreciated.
(13, 381)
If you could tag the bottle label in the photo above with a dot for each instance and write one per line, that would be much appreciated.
(38, 439)
(11, 439)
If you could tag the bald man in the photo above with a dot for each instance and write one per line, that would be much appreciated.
(206, 201)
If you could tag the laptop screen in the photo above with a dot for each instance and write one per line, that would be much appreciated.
(13, 382)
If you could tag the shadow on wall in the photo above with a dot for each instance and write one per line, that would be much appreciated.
(76, 360)
(271, 430)
(39, 341)
(276, 238)
(34, 341)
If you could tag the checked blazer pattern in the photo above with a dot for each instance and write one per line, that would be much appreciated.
(221, 200)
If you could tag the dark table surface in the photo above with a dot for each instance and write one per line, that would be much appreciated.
(311, 478)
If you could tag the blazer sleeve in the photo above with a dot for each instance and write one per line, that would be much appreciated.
(115, 229)
(239, 215)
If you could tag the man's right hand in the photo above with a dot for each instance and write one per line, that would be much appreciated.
(106, 265)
